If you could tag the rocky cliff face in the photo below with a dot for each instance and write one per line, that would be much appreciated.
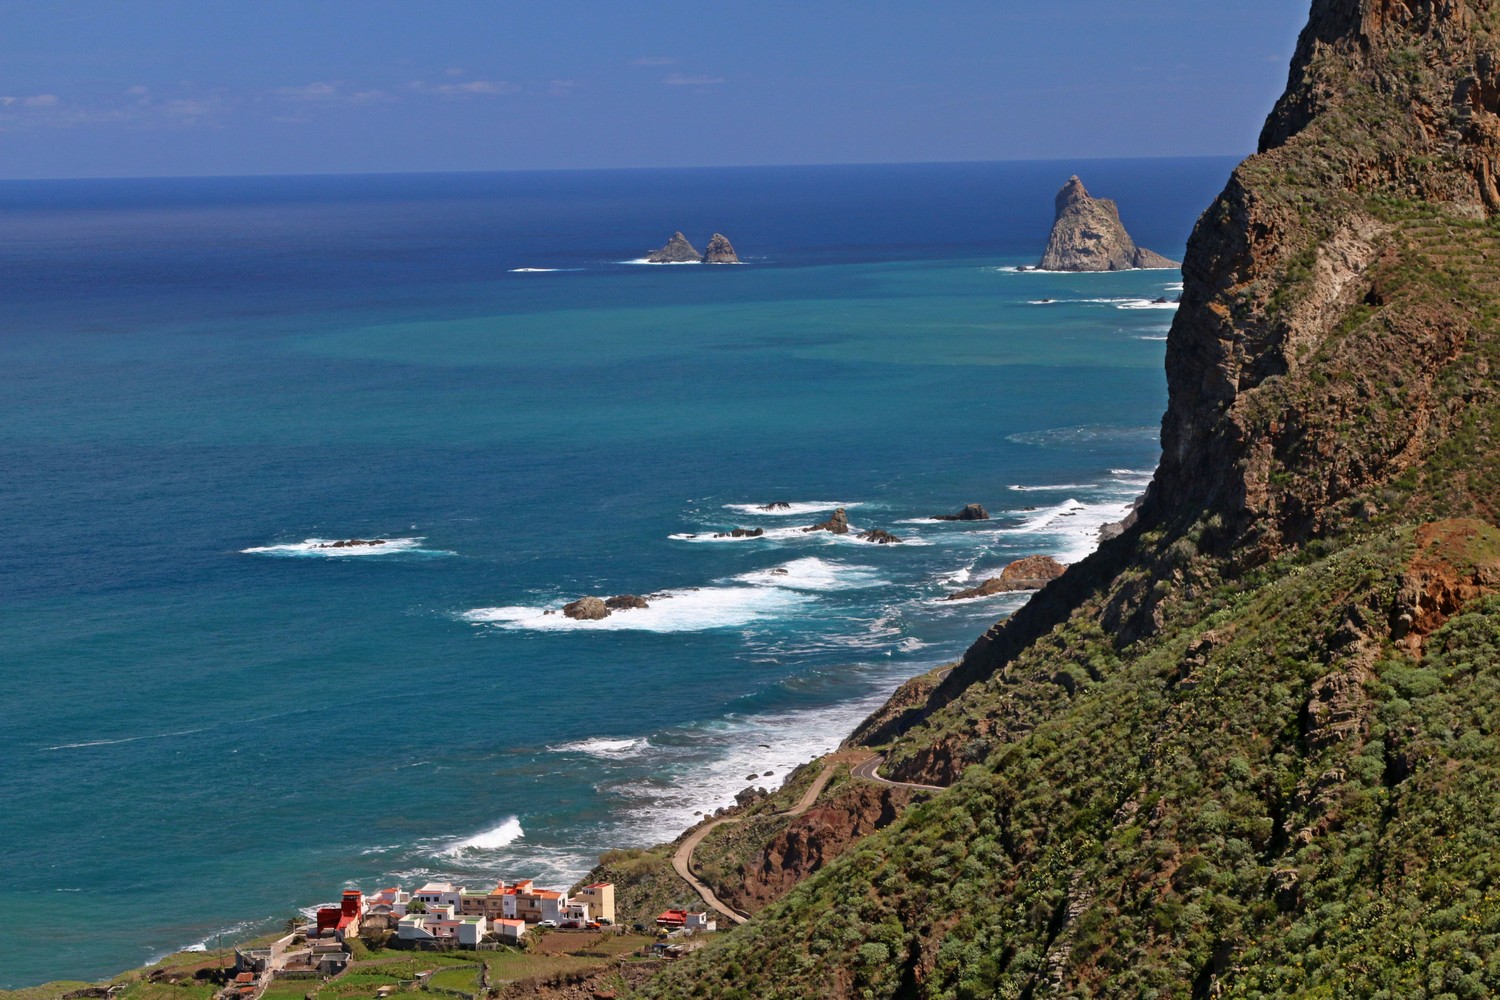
(1087, 235)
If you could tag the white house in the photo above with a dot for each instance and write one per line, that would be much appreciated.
(510, 931)
(441, 923)
(440, 894)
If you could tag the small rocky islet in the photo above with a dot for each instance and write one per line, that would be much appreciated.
(679, 251)
(1087, 235)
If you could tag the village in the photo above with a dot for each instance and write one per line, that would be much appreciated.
(443, 917)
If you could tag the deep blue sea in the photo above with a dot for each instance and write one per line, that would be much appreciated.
(211, 722)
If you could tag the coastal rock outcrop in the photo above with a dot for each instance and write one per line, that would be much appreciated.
(775, 505)
(677, 251)
(971, 512)
(1028, 573)
(741, 533)
(720, 251)
(838, 523)
(1087, 235)
(879, 537)
(587, 609)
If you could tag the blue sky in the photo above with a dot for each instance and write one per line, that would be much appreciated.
(172, 87)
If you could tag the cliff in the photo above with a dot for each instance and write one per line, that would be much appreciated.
(1251, 746)
(1087, 235)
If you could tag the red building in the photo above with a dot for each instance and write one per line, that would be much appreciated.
(344, 918)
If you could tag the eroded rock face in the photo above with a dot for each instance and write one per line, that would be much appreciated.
(587, 609)
(812, 841)
(720, 251)
(1087, 235)
(971, 512)
(838, 523)
(677, 251)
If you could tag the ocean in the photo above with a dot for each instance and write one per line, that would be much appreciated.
(213, 722)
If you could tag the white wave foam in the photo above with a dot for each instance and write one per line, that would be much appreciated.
(1175, 286)
(659, 263)
(599, 746)
(537, 270)
(791, 510)
(674, 611)
(490, 840)
(1050, 489)
(1145, 304)
(815, 574)
(1070, 531)
(127, 739)
(324, 547)
(1152, 337)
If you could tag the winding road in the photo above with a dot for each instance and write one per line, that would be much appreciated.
(682, 859)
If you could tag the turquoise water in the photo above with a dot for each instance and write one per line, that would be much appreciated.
(214, 723)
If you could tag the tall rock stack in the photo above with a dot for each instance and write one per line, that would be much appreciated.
(1087, 235)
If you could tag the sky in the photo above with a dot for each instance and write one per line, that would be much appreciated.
(115, 88)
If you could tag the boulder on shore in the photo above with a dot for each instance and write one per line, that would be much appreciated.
(1087, 235)
(1028, 573)
(879, 537)
(971, 512)
(677, 251)
(720, 251)
(838, 524)
(587, 609)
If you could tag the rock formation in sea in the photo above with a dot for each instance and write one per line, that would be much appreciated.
(626, 602)
(677, 251)
(1087, 235)
(838, 523)
(879, 537)
(587, 609)
(352, 543)
(1027, 573)
(741, 533)
(971, 512)
(720, 251)
(775, 505)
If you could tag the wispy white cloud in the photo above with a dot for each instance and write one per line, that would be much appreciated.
(469, 88)
(562, 88)
(653, 61)
(329, 92)
(679, 80)
(33, 101)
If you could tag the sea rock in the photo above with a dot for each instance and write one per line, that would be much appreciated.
(351, 543)
(741, 533)
(971, 512)
(677, 251)
(775, 505)
(720, 251)
(879, 537)
(587, 609)
(838, 523)
(1029, 573)
(1087, 235)
(623, 602)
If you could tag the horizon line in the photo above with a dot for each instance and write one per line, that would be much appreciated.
(564, 170)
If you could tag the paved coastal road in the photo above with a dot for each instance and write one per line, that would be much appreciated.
(869, 770)
(682, 860)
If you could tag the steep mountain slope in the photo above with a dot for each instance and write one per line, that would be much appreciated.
(1251, 746)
